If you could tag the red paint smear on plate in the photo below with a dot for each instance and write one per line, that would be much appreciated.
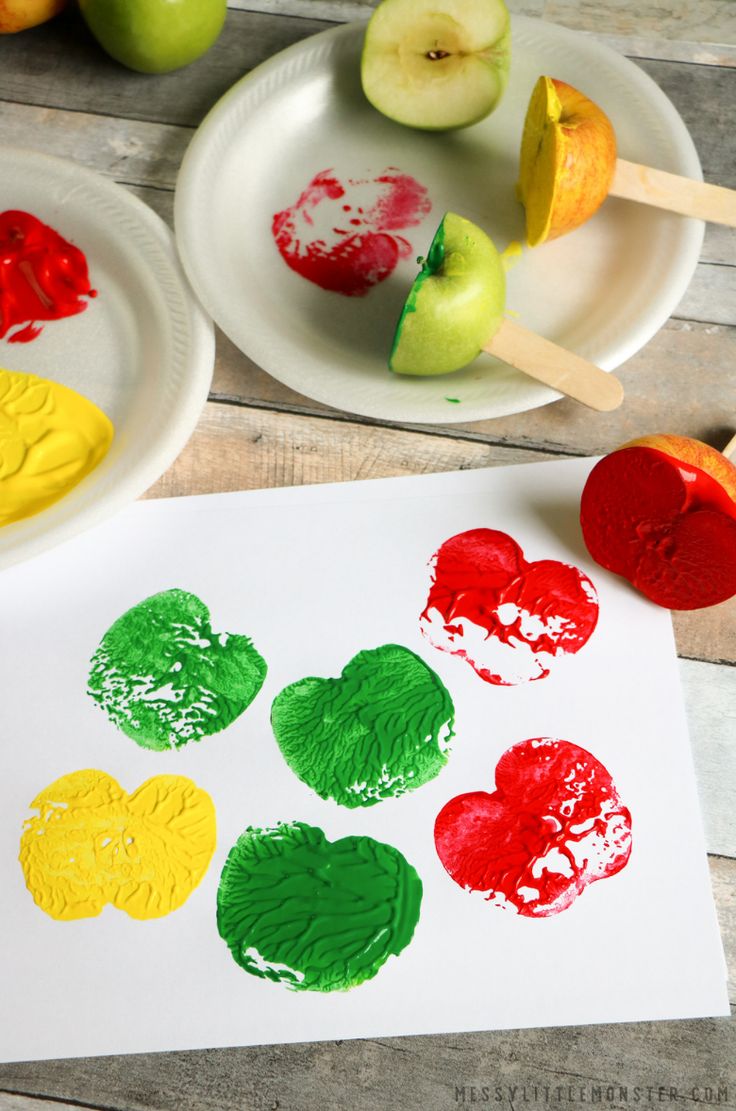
(554, 825)
(508, 618)
(42, 276)
(342, 236)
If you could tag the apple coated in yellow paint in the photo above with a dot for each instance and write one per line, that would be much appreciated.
(90, 843)
(568, 156)
(50, 439)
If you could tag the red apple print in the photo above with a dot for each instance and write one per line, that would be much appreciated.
(42, 276)
(554, 825)
(342, 236)
(508, 618)
(662, 513)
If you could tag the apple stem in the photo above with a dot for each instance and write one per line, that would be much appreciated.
(730, 447)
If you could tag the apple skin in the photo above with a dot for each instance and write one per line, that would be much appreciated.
(19, 15)
(436, 64)
(661, 512)
(154, 36)
(455, 304)
(568, 158)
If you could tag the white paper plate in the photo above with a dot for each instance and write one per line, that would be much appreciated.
(602, 291)
(143, 350)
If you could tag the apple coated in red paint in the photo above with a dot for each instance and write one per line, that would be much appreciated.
(554, 825)
(664, 524)
(343, 235)
(508, 618)
(42, 276)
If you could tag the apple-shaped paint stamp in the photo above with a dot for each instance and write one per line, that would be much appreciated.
(313, 914)
(164, 677)
(511, 620)
(345, 235)
(661, 512)
(568, 166)
(382, 728)
(554, 825)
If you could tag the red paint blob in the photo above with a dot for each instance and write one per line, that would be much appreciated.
(42, 276)
(350, 260)
(508, 618)
(554, 824)
(665, 525)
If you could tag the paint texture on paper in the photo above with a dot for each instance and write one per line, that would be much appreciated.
(90, 844)
(381, 729)
(42, 276)
(344, 235)
(50, 439)
(554, 825)
(165, 678)
(509, 619)
(315, 915)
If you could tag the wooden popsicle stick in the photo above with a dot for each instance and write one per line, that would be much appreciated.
(676, 194)
(730, 448)
(562, 370)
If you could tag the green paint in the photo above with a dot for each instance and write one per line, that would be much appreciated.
(429, 265)
(379, 730)
(165, 678)
(315, 915)
(453, 400)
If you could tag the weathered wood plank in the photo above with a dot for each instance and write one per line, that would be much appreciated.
(710, 700)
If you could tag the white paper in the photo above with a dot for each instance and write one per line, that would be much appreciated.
(313, 576)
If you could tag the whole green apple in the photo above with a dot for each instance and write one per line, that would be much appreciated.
(455, 304)
(154, 36)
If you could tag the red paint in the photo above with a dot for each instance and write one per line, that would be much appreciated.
(665, 525)
(42, 276)
(554, 824)
(350, 259)
(508, 618)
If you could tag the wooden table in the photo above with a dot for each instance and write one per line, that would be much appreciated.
(60, 94)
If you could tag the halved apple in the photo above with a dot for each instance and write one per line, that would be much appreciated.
(568, 156)
(455, 304)
(436, 64)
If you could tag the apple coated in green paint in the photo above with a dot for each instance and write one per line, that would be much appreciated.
(380, 729)
(455, 305)
(164, 677)
(315, 915)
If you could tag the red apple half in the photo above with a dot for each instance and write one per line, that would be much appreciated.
(661, 512)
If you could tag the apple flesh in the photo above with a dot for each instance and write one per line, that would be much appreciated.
(661, 512)
(455, 304)
(154, 36)
(568, 157)
(19, 15)
(436, 64)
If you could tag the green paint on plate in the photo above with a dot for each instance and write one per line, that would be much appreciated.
(379, 730)
(315, 915)
(165, 678)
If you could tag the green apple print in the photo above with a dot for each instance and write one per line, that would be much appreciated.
(165, 678)
(379, 730)
(312, 914)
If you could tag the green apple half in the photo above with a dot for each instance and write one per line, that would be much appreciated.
(154, 36)
(455, 305)
(436, 64)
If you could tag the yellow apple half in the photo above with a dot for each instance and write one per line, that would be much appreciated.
(568, 156)
(19, 15)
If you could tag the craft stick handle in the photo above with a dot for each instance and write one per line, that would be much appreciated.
(560, 369)
(676, 194)
(730, 448)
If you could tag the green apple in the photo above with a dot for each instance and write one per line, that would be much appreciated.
(154, 36)
(455, 305)
(436, 64)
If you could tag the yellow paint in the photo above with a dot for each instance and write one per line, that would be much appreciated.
(91, 844)
(511, 255)
(50, 438)
(568, 156)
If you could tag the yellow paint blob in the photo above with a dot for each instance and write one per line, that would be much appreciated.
(50, 438)
(511, 255)
(91, 844)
